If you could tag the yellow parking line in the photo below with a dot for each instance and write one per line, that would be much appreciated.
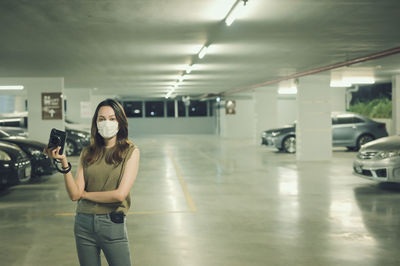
(68, 214)
(185, 190)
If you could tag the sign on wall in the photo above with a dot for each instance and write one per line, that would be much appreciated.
(86, 110)
(230, 107)
(51, 106)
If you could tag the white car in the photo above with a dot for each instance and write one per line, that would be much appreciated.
(379, 160)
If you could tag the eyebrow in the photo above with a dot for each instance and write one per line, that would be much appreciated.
(108, 116)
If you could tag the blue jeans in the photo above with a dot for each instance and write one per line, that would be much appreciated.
(95, 232)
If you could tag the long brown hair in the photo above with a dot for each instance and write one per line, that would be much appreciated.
(96, 149)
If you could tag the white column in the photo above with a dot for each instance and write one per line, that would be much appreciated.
(38, 128)
(338, 97)
(396, 105)
(265, 108)
(19, 105)
(242, 123)
(74, 97)
(95, 99)
(314, 129)
(287, 110)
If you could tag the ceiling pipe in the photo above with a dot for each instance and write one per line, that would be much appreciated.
(370, 57)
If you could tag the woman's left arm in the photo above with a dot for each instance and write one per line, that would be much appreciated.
(127, 181)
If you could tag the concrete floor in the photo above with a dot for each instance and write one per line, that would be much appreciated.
(202, 200)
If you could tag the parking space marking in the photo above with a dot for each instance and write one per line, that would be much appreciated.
(71, 214)
(185, 190)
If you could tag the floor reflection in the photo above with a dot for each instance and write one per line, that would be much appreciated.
(380, 211)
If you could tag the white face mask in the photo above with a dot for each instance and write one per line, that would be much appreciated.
(107, 129)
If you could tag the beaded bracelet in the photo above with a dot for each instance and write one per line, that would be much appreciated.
(64, 170)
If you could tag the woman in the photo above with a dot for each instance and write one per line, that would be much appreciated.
(104, 178)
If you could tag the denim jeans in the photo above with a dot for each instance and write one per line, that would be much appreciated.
(95, 232)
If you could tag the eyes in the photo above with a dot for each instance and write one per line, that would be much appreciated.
(102, 118)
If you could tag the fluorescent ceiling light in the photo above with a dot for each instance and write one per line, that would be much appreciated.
(234, 12)
(287, 91)
(203, 52)
(13, 87)
(359, 80)
(168, 95)
(189, 69)
(340, 84)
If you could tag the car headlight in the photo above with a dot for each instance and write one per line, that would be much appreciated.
(388, 154)
(81, 135)
(274, 134)
(264, 134)
(4, 156)
(34, 152)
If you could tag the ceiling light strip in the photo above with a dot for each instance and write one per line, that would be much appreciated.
(236, 9)
(12, 87)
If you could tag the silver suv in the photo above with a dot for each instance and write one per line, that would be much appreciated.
(348, 130)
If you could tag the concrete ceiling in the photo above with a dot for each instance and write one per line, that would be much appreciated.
(139, 48)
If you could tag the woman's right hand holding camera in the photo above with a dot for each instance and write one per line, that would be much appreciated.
(53, 152)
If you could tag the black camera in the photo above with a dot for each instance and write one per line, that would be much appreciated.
(57, 138)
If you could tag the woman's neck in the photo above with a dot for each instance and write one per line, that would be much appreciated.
(109, 143)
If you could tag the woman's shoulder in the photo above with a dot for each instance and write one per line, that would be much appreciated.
(131, 147)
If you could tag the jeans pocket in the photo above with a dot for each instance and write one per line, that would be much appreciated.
(112, 231)
(82, 223)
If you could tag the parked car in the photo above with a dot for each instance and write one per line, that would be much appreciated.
(76, 141)
(14, 120)
(348, 130)
(41, 163)
(77, 126)
(15, 166)
(15, 131)
(379, 160)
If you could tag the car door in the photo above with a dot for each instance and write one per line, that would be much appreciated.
(343, 130)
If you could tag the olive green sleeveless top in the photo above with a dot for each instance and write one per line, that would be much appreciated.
(101, 176)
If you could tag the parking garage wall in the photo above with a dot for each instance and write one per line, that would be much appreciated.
(171, 125)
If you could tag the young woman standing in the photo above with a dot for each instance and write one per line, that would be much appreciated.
(104, 178)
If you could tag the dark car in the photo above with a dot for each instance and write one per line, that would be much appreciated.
(15, 131)
(41, 163)
(348, 130)
(15, 166)
(76, 141)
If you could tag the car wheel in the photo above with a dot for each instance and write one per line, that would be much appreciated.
(289, 144)
(70, 148)
(364, 139)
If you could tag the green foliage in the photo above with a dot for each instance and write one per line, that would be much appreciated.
(377, 108)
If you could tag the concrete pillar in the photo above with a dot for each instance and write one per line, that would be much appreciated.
(19, 105)
(265, 108)
(287, 110)
(242, 123)
(95, 99)
(395, 105)
(38, 128)
(338, 99)
(314, 126)
(75, 99)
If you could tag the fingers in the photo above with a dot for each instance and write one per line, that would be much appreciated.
(53, 152)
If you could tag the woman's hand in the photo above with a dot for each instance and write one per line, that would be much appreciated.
(54, 153)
